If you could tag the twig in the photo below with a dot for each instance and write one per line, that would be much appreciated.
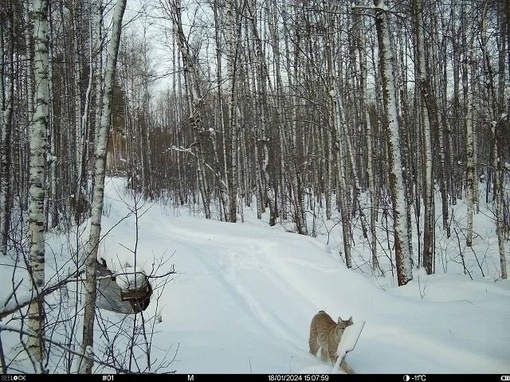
(64, 347)
(12, 294)
(40, 295)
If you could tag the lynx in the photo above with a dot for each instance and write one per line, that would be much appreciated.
(326, 334)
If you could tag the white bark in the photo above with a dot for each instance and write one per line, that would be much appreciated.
(38, 143)
(98, 64)
(79, 125)
(6, 87)
(397, 187)
(220, 117)
(231, 44)
(500, 205)
(87, 363)
(428, 195)
(194, 98)
(280, 107)
(342, 189)
(496, 103)
(470, 160)
(263, 80)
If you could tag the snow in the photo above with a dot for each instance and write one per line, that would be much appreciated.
(243, 295)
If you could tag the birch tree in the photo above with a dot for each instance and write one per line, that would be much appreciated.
(427, 112)
(397, 187)
(290, 143)
(86, 362)
(503, 94)
(439, 49)
(470, 144)
(232, 45)
(342, 189)
(6, 98)
(496, 107)
(280, 105)
(262, 80)
(194, 98)
(361, 46)
(38, 143)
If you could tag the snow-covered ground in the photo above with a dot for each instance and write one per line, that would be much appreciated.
(243, 295)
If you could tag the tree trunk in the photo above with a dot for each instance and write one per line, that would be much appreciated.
(87, 362)
(38, 143)
(219, 108)
(342, 189)
(232, 53)
(427, 109)
(470, 155)
(195, 101)
(397, 187)
(6, 92)
(497, 104)
(262, 75)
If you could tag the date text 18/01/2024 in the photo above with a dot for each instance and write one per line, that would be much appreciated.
(298, 377)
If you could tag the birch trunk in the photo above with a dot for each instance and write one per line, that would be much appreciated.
(342, 189)
(502, 97)
(79, 138)
(453, 156)
(263, 80)
(195, 100)
(397, 187)
(86, 363)
(220, 113)
(496, 102)
(361, 45)
(500, 205)
(439, 53)
(232, 45)
(426, 110)
(38, 143)
(470, 156)
(29, 91)
(6, 91)
(52, 206)
(280, 107)
(295, 177)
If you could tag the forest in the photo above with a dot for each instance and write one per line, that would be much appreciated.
(384, 114)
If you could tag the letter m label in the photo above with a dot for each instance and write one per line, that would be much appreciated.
(191, 377)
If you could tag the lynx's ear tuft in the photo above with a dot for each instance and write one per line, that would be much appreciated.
(344, 321)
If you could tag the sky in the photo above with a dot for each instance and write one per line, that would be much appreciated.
(239, 298)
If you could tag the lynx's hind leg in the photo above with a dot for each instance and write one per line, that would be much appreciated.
(325, 353)
(313, 342)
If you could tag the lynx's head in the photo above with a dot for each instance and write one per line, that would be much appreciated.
(342, 324)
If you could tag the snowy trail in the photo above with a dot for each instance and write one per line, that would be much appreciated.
(242, 273)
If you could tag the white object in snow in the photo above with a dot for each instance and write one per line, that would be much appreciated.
(347, 343)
